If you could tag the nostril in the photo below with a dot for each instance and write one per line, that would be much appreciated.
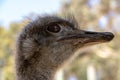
(88, 32)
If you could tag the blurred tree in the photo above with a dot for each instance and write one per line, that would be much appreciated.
(7, 42)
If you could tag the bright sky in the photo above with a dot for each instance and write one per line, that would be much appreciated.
(15, 10)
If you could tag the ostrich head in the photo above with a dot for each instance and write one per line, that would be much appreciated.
(48, 42)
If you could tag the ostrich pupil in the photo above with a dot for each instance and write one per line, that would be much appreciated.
(53, 28)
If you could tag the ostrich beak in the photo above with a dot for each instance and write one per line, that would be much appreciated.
(88, 37)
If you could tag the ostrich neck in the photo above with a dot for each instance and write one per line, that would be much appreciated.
(32, 70)
(31, 73)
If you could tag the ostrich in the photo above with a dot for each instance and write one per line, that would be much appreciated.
(47, 43)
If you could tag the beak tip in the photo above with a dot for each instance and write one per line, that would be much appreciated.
(109, 36)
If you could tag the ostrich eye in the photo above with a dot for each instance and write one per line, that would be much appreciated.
(54, 28)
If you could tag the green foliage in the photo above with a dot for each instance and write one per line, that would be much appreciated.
(7, 47)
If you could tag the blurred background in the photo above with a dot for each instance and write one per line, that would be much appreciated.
(100, 62)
